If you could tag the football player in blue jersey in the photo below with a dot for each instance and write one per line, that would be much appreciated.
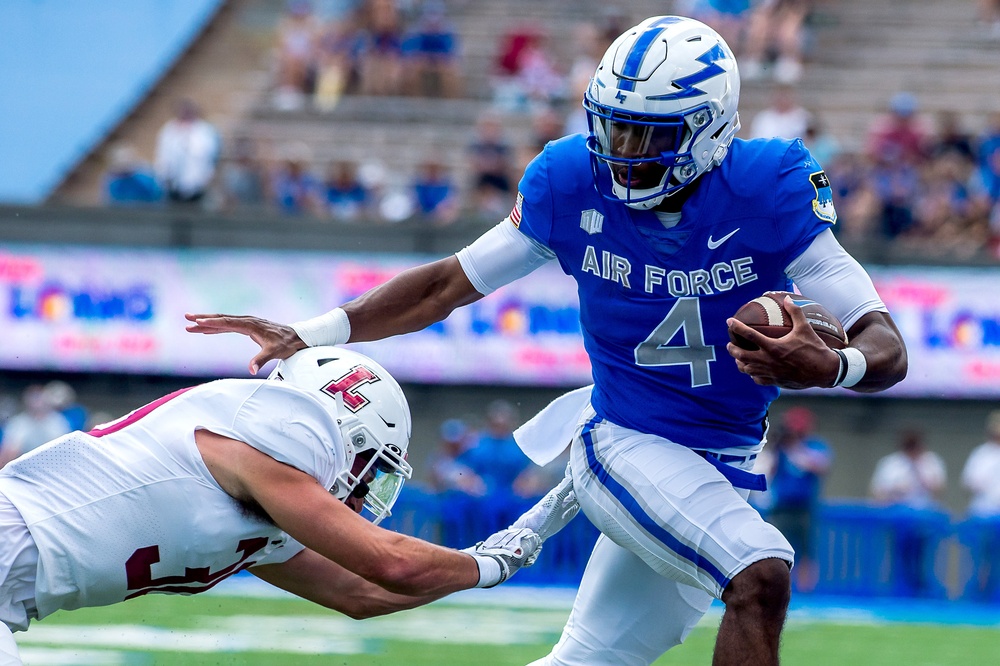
(668, 223)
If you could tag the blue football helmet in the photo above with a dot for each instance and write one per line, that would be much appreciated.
(662, 109)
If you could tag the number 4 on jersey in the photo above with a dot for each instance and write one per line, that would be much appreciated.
(684, 317)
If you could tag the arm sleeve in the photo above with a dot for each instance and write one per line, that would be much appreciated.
(826, 273)
(500, 256)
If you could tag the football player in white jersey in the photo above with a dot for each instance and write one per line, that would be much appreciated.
(668, 223)
(268, 476)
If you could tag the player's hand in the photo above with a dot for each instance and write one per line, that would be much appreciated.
(504, 553)
(554, 511)
(275, 340)
(797, 360)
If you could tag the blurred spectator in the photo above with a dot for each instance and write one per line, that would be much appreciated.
(822, 145)
(130, 180)
(295, 190)
(494, 455)
(345, 197)
(36, 424)
(187, 149)
(989, 140)
(898, 145)
(589, 44)
(982, 470)
(899, 135)
(491, 157)
(434, 192)
(913, 476)
(338, 67)
(430, 52)
(243, 177)
(784, 117)
(727, 17)
(298, 36)
(547, 124)
(910, 479)
(989, 18)
(979, 477)
(858, 206)
(62, 398)
(526, 73)
(381, 54)
(775, 25)
(986, 178)
(947, 220)
(446, 471)
(800, 461)
(951, 138)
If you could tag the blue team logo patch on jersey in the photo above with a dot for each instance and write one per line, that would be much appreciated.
(823, 203)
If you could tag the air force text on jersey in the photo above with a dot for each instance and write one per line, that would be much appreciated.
(722, 276)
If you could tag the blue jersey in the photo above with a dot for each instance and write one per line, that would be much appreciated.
(654, 313)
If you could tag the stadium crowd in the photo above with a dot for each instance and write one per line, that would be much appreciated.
(924, 184)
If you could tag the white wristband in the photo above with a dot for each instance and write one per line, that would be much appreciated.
(490, 571)
(857, 365)
(332, 328)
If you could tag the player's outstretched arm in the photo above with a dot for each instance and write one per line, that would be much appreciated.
(300, 506)
(411, 301)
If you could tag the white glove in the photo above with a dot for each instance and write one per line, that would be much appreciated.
(554, 511)
(503, 553)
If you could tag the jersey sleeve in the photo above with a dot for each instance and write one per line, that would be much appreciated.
(803, 200)
(533, 210)
(293, 427)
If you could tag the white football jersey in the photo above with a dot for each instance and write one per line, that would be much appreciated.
(131, 509)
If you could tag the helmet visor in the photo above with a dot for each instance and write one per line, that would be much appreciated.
(383, 491)
(639, 150)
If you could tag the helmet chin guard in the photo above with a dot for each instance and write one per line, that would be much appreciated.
(662, 109)
(373, 416)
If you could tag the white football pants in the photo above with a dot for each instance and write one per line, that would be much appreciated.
(675, 532)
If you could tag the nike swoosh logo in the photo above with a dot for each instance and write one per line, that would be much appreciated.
(712, 244)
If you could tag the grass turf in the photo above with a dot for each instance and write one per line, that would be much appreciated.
(249, 631)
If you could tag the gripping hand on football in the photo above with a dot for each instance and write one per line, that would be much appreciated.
(554, 511)
(275, 340)
(798, 360)
(504, 553)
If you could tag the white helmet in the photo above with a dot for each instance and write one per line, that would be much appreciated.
(661, 108)
(372, 413)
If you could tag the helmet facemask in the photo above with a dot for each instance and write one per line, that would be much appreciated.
(376, 471)
(648, 156)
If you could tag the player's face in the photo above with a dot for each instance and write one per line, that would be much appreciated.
(356, 500)
(636, 141)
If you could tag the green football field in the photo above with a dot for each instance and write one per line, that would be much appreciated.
(471, 630)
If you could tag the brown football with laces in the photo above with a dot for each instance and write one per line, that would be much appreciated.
(767, 314)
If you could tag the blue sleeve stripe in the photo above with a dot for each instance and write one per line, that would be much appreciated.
(635, 510)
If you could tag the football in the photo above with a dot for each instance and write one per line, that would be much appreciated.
(767, 314)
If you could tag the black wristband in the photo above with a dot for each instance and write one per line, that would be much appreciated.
(842, 371)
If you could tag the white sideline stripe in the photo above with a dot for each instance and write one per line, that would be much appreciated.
(312, 634)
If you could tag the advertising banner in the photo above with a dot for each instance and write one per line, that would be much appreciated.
(90, 309)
